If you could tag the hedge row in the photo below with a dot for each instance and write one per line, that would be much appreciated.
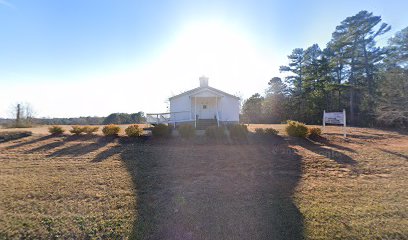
(108, 130)
(237, 132)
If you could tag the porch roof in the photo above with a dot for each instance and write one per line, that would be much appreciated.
(198, 90)
(205, 93)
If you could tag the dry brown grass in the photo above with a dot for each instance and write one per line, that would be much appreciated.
(43, 129)
(51, 187)
(95, 187)
(355, 188)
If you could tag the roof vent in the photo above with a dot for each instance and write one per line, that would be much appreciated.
(203, 81)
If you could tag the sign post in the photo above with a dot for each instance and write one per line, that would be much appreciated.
(338, 118)
(344, 123)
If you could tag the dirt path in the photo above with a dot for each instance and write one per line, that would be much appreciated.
(215, 192)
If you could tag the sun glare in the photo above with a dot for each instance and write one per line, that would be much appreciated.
(215, 49)
(222, 52)
(208, 46)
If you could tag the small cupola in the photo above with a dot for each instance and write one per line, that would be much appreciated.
(203, 81)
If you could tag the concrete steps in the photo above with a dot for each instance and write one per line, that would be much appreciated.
(203, 124)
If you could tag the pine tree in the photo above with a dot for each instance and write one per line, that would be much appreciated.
(274, 104)
(392, 110)
(355, 37)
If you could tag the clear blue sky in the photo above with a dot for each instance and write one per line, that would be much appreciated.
(94, 57)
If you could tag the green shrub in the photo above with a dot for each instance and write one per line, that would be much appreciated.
(161, 130)
(55, 130)
(134, 131)
(259, 131)
(266, 132)
(214, 132)
(186, 131)
(238, 132)
(90, 129)
(296, 129)
(271, 131)
(314, 132)
(111, 130)
(77, 130)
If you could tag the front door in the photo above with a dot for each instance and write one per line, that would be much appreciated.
(204, 111)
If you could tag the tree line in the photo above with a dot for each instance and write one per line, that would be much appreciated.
(23, 116)
(114, 118)
(351, 73)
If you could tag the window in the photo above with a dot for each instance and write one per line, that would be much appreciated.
(204, 106)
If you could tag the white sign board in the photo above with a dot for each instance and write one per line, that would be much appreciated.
(338, 118)
(334, 118)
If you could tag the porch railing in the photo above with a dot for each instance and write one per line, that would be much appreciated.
(168, 118)
(175, 117)
(157, 118)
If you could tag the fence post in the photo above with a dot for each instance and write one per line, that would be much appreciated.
(195, 112)
(216, 109)
(344, 124)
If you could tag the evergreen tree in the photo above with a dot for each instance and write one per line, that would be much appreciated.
(274, 105)
(296, 61)
(295, 79)
(392, 110)
(397, 49)
(252, 109)
(355, 36)
(351, 73)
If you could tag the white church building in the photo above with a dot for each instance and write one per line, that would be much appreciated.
(201, 107)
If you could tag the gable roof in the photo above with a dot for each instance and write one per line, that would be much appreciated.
(198, 89)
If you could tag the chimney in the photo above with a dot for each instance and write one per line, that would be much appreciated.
(203, 81)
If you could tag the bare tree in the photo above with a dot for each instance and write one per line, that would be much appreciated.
(28, 112)
(23, 114)
(18, 114)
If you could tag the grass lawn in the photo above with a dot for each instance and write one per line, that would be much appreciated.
(284, 188)
(51, 186)
(43, 129)
(356, 189)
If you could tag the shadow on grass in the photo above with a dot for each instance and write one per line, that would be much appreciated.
(84, 144)
(143, 165)
(82, 148)
(109, 152)
(330, 153)
(223, 191)
(395, 153)
(367, 136)
(123, 141)
(35, 140)
(266, 139)
(47, 147)
(328, 143)
(13, 135)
